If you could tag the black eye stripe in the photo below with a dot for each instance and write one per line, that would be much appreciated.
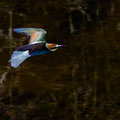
(54, 48)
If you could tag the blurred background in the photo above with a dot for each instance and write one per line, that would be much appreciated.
(79, 82)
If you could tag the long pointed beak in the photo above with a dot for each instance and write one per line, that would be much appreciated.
(61, 45)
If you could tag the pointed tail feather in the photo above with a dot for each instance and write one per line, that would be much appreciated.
(18, 57)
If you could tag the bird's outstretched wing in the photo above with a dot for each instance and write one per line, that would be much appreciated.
(37, 35)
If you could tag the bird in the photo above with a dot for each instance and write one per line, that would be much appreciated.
(37, 45)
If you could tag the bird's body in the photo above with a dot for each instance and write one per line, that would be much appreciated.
(36, 46)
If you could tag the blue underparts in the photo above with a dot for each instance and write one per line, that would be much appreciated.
(37, 52)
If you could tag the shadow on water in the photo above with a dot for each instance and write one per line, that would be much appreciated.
(79, 82)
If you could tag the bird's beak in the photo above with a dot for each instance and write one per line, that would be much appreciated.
(61, 46)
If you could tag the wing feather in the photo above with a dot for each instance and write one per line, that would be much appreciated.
(37, 35)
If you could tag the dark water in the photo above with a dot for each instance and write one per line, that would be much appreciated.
(79, 82)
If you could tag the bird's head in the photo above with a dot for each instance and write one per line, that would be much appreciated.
(53, 46)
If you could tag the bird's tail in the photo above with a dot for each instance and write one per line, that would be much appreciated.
(18, 57)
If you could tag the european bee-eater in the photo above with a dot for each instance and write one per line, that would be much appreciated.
(36, 46)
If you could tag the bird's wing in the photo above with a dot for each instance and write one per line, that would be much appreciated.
(18, 57)
(37, 35)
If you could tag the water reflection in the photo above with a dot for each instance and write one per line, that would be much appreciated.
(77, 82)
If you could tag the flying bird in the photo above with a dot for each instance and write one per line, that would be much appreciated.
(36, 46)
